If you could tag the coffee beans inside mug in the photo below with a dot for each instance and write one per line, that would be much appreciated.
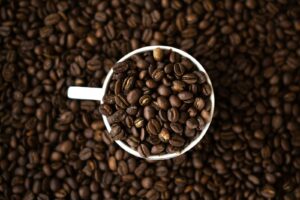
(161, 86)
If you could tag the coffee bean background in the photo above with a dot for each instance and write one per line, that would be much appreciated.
(53, 147)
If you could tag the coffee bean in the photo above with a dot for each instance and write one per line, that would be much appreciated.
(145, 100)
(176, 141)
(84, 192)
(157, 74)
(173, 115)
(143, 150)
(116, 117)
(179, 69)
(158, 54)
(147, 182)
(105, 109)
(149, 112)
(189, 78)
(132, 110)
(117, 133)
(65, 147)
(164, 91)
(120, 67)
(133, 96)
(268, 191)
(192, 123)
(153, 127)
(52, 19)
(184, 96)
(128, 83)
(85, 154)
(163, 103)
(176, 127)
(139, 122)
(178, 86)
(157, 149)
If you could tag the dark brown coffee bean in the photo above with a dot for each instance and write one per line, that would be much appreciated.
(85, 154)
(185, 95)
(175, 101)
(143, 150)
(128, 83)
(178, 86)
(65, 147)
(132, 141)
(133, 96)
(164, 91)
(268, 191)
(145, 100)
(157, 149)
(149, 112)
(173, 115)
(163, 103)
(153, 127)
(179, 69)
(206, 90)
(199, 103)
(132, 110)
(147, 182)
(177, 128)
(190, 78)
(192, 123)
(105, 109)
(116, 117)
(52, 19)
(117, 133)
(84, 192)
(177, 141)
(157, 74)
(120, 67)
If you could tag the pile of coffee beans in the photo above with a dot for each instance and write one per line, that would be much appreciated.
(52, 147)
(157, 102)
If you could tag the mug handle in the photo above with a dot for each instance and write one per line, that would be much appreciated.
(85, 93)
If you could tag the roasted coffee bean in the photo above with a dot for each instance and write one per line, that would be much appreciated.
(173, 115)
(132, 110)
(139, 122)
(177, 128)
(179, 69)
(157, 74)
(118, 116)
(178, 86)
(162, 103)
(185, 95)
(164, 135)
(120, 67)
(190, 78)
(149, 112)
(145, 100)
(164, 91)
(121, 101)
(143, 150)
(192, 123)
(153, 127)
(105, 109)
(128, 83)
(133, 96)
(85, 154)
(117, 133)
(158, 54)
(177, 141)
(157, 149)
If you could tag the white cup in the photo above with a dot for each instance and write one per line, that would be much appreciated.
(87, 93)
